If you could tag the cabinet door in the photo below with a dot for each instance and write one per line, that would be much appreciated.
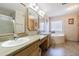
(36, 52)
(32, 49)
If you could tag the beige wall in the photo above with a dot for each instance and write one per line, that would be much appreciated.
(70, 30)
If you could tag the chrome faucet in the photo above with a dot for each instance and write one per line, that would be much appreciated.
(15, 36)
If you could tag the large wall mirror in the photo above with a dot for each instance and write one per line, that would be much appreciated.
(32, 22)
(12, 18)
(41, 24)
(6, 21)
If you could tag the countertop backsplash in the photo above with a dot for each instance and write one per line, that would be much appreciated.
(5, 38)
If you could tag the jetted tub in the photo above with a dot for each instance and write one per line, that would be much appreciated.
(58, 38)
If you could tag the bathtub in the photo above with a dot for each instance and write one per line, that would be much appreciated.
(58, 38)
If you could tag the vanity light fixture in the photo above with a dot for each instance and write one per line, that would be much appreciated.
(35, 7)
(41, 13)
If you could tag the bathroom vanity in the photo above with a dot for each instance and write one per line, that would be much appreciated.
(21, 20)
(30, 48)
(34, 49)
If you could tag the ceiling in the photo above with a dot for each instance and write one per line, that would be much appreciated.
(57, 9)
(51, 9)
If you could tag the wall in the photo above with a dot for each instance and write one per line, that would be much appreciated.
(70, 30)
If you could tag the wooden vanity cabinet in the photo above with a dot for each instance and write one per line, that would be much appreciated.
(32, 50)
(44, 45)
(45, 41)
(37, 52)
(35, 49)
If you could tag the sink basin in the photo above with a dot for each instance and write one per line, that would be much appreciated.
(12, 43)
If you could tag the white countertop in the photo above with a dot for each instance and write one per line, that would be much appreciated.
(9, 50)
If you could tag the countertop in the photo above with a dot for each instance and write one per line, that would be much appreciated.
(4, 51)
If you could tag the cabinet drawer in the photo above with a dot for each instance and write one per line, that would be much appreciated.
(28, 50)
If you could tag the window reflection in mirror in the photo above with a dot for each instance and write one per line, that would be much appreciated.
(6, 23)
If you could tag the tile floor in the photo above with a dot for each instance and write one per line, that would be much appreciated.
(67, 49)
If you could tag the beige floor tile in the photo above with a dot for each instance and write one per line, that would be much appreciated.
(67, 49)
